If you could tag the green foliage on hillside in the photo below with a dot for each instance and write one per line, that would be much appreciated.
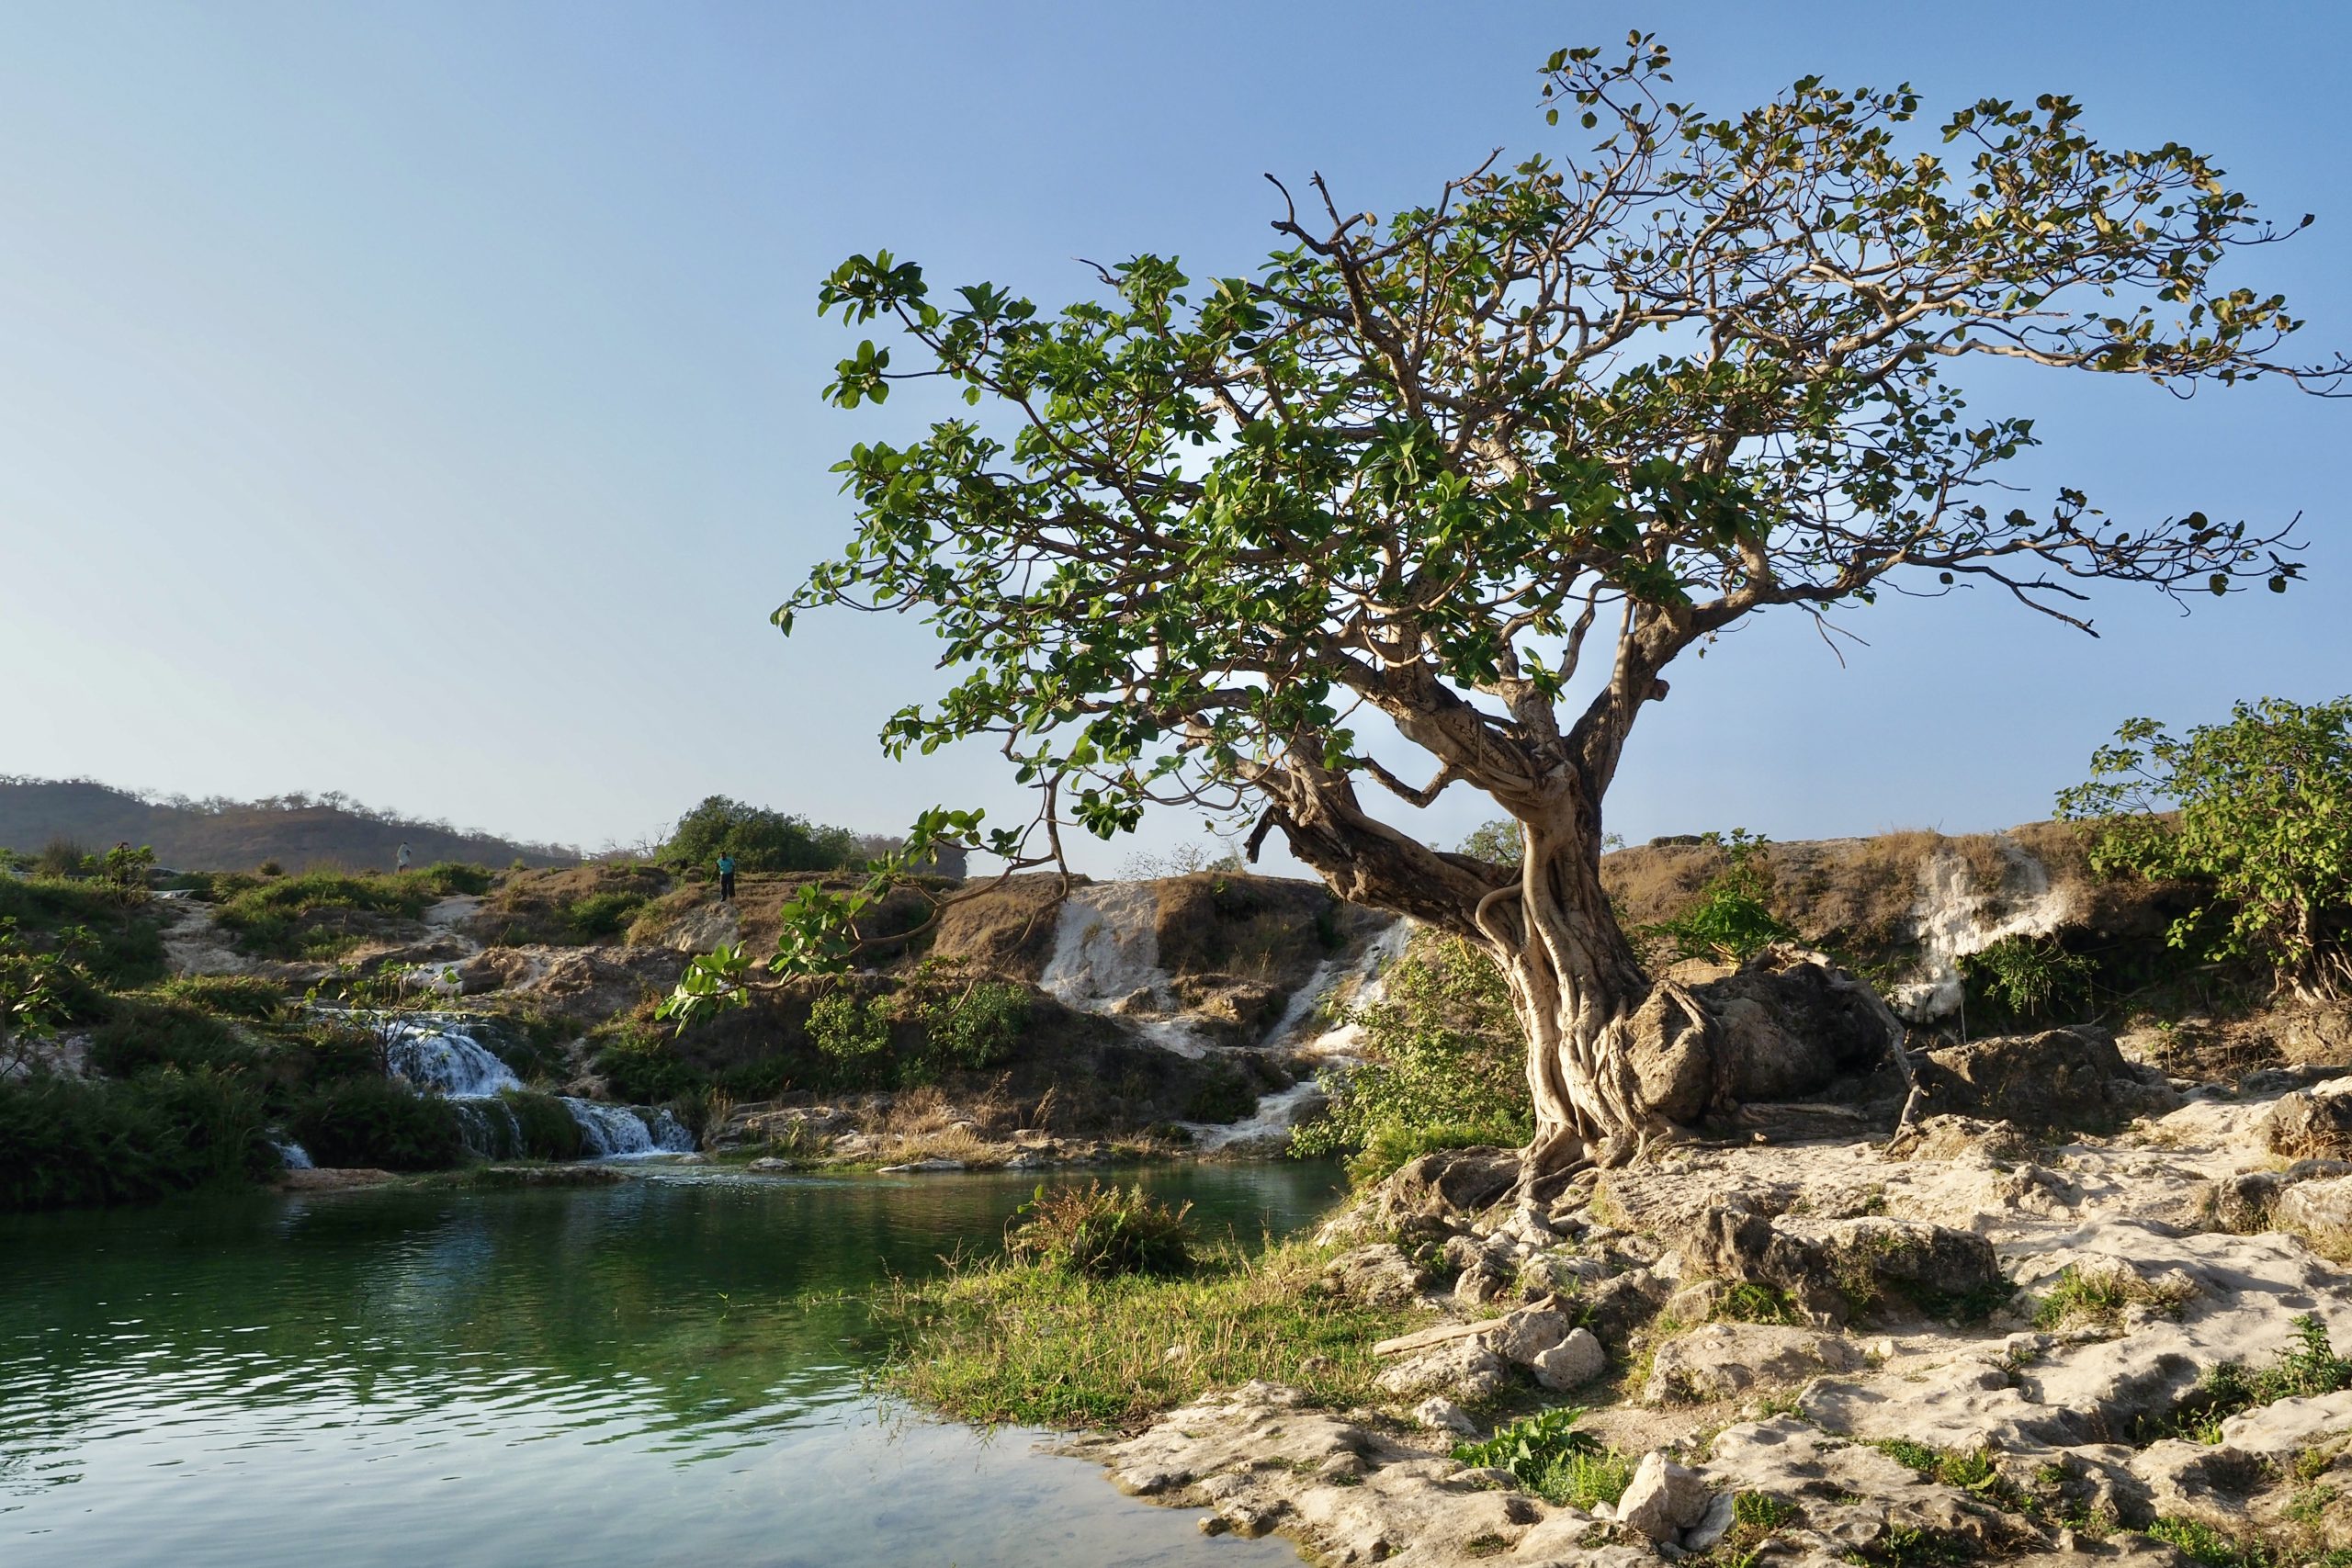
(1443, 1066)
(379, 1124)
(1731, 918)
(309, 916)
(2259, 809)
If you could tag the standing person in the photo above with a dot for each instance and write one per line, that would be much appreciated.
(403, 865)
(725, 878)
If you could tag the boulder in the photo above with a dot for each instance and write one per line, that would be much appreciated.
(2320, 1207)
(1450, 1184)
(2310, 1125)
(1723, 1361)
(1836, 1270)
(1663, 1499)
(1614, 1308)
(1462, 1369)
(2060, 1077)
(1440, 1415)
(1572, 1363)
(1784, 1025)
(1529, 1332)
(1378, 1275)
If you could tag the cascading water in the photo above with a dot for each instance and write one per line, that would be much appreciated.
(1954, 920)
(439, 1052)
(1335, 985)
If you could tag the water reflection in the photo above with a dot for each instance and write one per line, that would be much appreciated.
(665, 1371)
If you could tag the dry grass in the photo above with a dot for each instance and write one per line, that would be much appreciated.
(1006, 928)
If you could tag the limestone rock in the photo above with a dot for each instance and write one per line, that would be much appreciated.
(2316, 1206)
(1831, 1270)
(1955, 1137)
(2310, 1125)
(1722, 1361)
(1378, 1275)
(1450, 1183)
(1529, 1332)
(1723, 1508)
(1664, 1499)
(2060, 1077)
(1461, 1369)
(1572, 1363)
(1442, 1414)
(2289, 1426)
(1785, 1023)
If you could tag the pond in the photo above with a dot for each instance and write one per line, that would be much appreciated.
(661, 1371)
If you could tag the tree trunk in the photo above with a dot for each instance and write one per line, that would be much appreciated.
(1577, 985)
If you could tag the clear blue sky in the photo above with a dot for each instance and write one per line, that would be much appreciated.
(422, 401)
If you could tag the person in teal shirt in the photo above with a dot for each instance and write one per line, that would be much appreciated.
(727, 877)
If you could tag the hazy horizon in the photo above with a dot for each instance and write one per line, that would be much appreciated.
(422, 404)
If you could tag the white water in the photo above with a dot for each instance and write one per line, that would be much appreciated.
(437, 1052)
(296, 1157)
(1954, 920)
(1337, 983)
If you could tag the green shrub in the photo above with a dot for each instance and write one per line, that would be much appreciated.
(1547, 1455)
(974, 1024)
(146, 1035)
(2026, 976)
(62, 858)
(379, 1124)
(2262, 814)
(604, 914)
(644, 1070)
(70, 1142)
(1098, 1230)
(449, 878)
(544, 1126)
(1444, 1064)
(1731, 920)
(850, 1028)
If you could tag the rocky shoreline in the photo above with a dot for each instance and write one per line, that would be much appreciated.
(1985, 1343)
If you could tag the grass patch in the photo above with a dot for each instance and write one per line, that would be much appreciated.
(1036, 1345)
(1973, 1470)
(2099, 1297)
(1748, 1302)
(2309, 1367)
(1547, 1455)
(2201, 1542)
(314, 915)
(1102, 1230)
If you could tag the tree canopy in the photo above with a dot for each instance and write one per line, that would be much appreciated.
(1687, 369)
(1700, 370)
(2259, 809)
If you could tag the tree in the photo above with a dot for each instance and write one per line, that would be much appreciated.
(1697, 373)
(758, 838)
(2260, 809)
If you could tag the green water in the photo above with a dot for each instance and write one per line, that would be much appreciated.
(625, 1375)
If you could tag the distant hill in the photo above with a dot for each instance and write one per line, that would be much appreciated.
(297, 831)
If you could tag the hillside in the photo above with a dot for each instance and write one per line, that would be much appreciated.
(296, 831)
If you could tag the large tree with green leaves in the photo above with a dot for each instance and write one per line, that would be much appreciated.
(1487, 467)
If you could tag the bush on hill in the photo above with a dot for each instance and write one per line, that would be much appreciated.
(758, 838)
(379, 1124)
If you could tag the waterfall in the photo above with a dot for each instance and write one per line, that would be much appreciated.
(296, 1157)
(440, 1054)
(1350, 984)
